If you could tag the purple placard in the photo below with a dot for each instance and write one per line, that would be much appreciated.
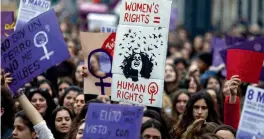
(217, 44)
(234, 40)
(173, 19)
(247, 45)
(32, 49)
(113, 121)
(7, 23)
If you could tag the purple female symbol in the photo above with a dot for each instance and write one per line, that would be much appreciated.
(109, 74)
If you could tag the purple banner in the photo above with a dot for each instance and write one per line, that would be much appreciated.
(32, 49)
(173, 19)
(7, 23)
(217, 44)
(255, 45)
(112, 121)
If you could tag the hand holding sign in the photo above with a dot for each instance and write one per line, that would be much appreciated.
(233, 86)
(21, 55)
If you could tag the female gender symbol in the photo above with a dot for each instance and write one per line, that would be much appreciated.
(109, 74)
(153, 89)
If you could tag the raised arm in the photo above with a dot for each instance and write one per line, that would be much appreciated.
(232, 103)
(33, 115)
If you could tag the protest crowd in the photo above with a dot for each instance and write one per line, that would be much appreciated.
(198, 101)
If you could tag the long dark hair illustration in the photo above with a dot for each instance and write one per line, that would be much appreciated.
(137, 64)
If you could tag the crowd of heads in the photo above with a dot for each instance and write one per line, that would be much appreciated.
(193, 98)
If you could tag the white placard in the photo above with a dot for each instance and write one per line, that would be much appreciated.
(96, 20)
(145, 13)
(145, 92)
(29, 9)
(251, 125)
(141, 48)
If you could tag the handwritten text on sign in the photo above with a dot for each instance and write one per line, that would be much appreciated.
(113, 121)
(30, 50)
(145, 13)
(146, 91)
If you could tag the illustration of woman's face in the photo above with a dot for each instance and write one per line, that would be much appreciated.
(137, 62)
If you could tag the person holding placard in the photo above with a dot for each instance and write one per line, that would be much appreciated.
(30, 118)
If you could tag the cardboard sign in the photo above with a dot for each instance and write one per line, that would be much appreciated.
(148, 46)
(102, 43)
(145, 13)
(140, 52)
(246, 60)
(7, 23)
(109, 121)
(32, 49)
(251, 125)
(29, 9)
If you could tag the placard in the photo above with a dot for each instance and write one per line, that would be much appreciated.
(7, 23)
(29, 9)
(96, 20)
(147, 92)
(32, 49)
(235, 42)
(246, 60)
(140, 52)
(251, 125)
(97, 44)
(108, 29)
(113, 121)
(145, 13)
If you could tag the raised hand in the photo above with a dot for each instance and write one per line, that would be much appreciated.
(233, 85)
(5, 77)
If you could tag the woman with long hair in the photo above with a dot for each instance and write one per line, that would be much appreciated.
(170, 80)
(200, 106)
(218, 102)
(179, 103)
(42, 101)
(67, 100)
(61, 122)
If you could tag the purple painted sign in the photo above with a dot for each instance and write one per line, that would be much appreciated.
(235, 43)
(32, 49)
(112, 121)
(217, 44)
(7, 23)
(173, 19)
